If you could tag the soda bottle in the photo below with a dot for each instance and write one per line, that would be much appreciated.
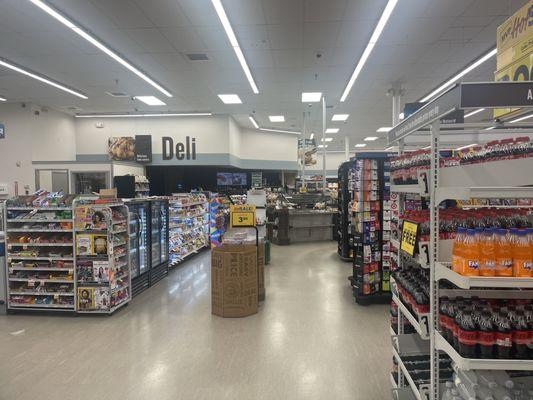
(486, 335)
(467, 336)
(471, 254)
(521, 254)
(457, 250)
(504, 258)
(520, 335)
(443, 317)
(487, 262)
(504, 338)
(457, 320)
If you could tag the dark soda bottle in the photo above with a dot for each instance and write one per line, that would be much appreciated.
(520, 335)
(486, 335)
(443, 317)
(455, 327)
(504, 337)
(467, 335)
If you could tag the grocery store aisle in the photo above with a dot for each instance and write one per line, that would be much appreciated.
(309, 341)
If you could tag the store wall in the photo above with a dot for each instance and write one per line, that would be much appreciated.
(333, 160)
(268, 150)
(32, 133)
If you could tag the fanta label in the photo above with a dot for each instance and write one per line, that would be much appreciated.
(473, 264)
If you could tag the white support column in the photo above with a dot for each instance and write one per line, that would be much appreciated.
(323, 142)
(346, 147)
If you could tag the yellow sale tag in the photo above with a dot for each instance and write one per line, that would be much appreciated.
(242, 215)
(409, 231)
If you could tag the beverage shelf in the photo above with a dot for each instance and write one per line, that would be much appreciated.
(415, 189)
(409, 344)
(419, 394)
(473, 363)
(482, 192)
(421, 324)
(442, 271)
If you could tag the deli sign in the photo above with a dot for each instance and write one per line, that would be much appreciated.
(181, 150)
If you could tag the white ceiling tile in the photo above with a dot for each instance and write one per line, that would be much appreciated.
(184, 39)
(123, 13)
(244, 12)
(213, 37)
(252, 37)
(150, 40)
(259, 59)
(319, 35)
(319, 10)
(288, 58)
(283, 11)
(163, 13)
(286, 36)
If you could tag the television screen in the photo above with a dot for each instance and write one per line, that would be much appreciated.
(239, 179)
(224, 178)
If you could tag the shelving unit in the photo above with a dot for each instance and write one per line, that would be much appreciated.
(102, 257)
(189, 226)
(40, 253)
(493, 179)
(345, 237)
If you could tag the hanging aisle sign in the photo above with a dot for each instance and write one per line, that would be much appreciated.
(242, 215)
(409, 233)
(2, 131)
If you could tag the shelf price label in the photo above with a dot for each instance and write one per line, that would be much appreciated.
(409, 233)
(242, 215)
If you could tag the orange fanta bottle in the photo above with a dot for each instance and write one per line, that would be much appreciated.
(521, 255)
(504, 257)
(471, 254)
(487, 251)
(457, 250)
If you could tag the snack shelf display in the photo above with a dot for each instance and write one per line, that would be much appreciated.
(102, 256)
(40, 252)
(142, 186)
(218, 219)
(189, 225)
(470, 224)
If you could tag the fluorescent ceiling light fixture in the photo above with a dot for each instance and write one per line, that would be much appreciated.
(371, 43)
(370, 138)
(521, 118)
(254, 122)
(459, 75)
(199, 114)
(360, 145)
(276, 118)
(312, 136)
(2, 99)
(311, 97)
(230, 99)
(332, 130)
(466, 147)
(328, 139)
(474, 112)
(97, 43)
(234, 43)
(279, 130)
(340, 117)
(322, 146)
(384, 129)
(150, 100)
(40, 78)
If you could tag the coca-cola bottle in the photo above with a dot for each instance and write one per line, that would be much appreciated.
(520, 335)
(467, 335)
(504, 337)
(486, 335)
(456, 324)
(443, 317)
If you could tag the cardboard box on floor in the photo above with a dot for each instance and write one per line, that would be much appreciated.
(234, 291)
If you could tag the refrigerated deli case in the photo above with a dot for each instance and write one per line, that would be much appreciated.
(159, 240)
(139, 245)
(148, 230)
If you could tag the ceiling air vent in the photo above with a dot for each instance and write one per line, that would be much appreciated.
(117, 94)
(197, 57)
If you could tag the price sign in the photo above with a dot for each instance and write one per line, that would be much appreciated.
(409, 232)
(242, 215)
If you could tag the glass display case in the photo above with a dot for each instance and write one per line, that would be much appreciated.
(138, 231)
(159, 239)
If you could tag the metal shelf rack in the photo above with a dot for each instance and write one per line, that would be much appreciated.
(498, 179)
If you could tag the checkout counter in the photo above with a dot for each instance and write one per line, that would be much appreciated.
(296, 218)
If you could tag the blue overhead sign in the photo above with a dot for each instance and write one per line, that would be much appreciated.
(2, 131)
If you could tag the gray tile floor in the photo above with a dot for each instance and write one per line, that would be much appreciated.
(308, 341)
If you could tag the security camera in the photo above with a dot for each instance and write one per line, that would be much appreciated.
(318, 55)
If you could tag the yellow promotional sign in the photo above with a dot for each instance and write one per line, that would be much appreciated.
(514, 41)
(515, 28)
(409, 231)
(242, 215)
